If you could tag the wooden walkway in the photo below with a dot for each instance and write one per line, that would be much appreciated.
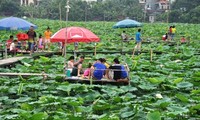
(69, 79)
(29, 74)
(12, 60)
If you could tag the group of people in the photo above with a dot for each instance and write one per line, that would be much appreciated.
(169, 36)
(32, 43)
(138, 39)
(98, 70)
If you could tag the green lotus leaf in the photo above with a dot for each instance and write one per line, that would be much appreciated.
(155, 80)
(127, 114)
(178, 80)
(154, 116)
(39, 116)
(184, 85)
(175, 110)
(182, 97)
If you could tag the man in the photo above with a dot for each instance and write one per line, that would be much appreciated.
(31, 39)
(47, 35)
(77, 69)
(138, 41)
(120, 74)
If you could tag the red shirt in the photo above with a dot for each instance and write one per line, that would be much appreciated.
(8, 42)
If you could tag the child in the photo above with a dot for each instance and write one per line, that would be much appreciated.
(13, 47)
(183, 40)
(165, 37)
(40, 43)
(9, 41)
(87, 72)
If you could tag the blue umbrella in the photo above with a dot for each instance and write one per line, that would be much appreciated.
(14, 23)
(127, 23)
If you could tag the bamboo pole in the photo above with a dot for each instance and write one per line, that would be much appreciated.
(177, 47)
(134, 51)
(6, 52)
(95, 50)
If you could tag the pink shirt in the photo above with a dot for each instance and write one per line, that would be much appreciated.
(87, 72)
(40, 43)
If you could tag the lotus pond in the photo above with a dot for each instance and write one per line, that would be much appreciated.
(166, 88)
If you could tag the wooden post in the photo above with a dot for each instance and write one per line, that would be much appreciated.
(95, 49)
(6, 52)
(177, 47)
(151, 54)
(134, 51)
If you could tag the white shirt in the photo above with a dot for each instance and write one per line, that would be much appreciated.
(12, 46)
(70, 64)
(124, 36)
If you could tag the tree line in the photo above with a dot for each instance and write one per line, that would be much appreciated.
(185, 11)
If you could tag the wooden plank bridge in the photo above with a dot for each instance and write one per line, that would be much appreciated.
(69, 79)
(11, 60)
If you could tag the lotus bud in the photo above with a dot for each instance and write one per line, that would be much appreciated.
(177, 61)
(159, 96)
(161, 65)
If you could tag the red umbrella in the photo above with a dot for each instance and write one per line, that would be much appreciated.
(74, 34)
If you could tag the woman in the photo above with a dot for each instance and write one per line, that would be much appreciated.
(70, 65)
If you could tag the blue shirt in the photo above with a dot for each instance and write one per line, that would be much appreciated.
(99, 70)
(138, 37)
(119, 71)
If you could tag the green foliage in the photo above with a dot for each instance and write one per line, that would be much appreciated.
(154, 116)
(174, 75)
(186, 11)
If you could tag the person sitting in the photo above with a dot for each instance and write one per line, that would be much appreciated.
(124, 36)
(98, 70)
(9, 41)
(105, 63)
(13, 47)
(87, 72)
(165, 37)
(77, 68)
(70, 65)
(120, 74)
(183, 40)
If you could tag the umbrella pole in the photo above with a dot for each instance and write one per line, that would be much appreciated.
(65, 49)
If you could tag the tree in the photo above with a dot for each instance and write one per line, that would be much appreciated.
(185, 11)
(9, 7)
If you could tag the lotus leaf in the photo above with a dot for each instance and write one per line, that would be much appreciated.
(155, 80)
(182, 97)
(127, 114)
(178, 80)
(39, 116)
(176, 110)
(184, 85)
(154, 116)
